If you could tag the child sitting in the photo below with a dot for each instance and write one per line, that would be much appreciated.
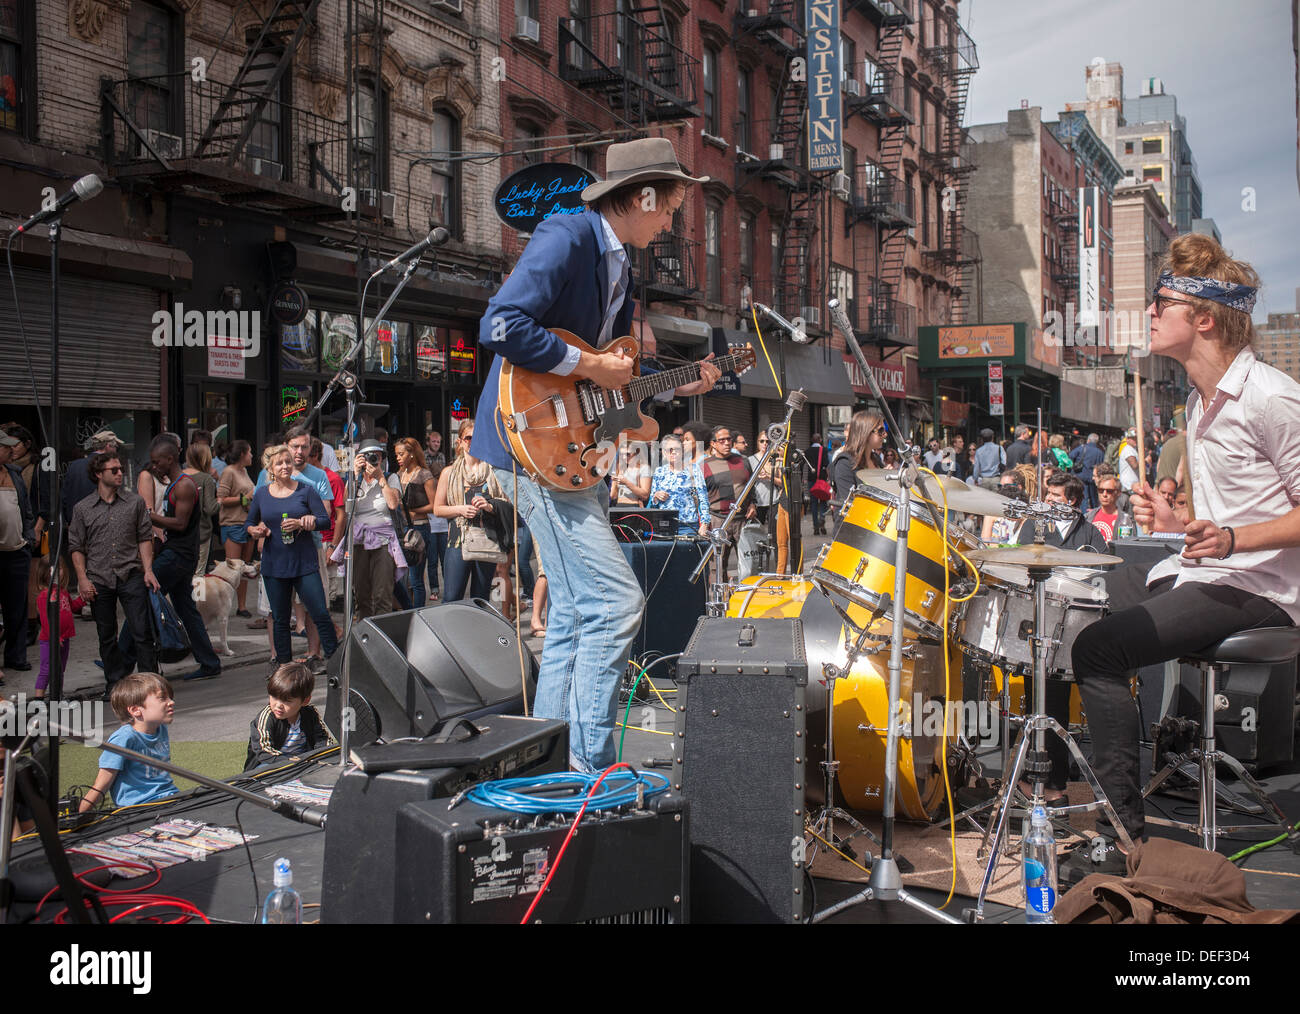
(289, 724)
(66, 624)
(142, 700)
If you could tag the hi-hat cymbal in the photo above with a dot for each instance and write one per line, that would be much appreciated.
(960, 496)
(1035, 555)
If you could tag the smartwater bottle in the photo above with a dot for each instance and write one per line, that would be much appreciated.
(284, 904)
(1040, 869)
(285, 537)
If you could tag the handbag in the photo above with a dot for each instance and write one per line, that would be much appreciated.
(479, 545)
(412, 539)
(173, 641)
(821, 489)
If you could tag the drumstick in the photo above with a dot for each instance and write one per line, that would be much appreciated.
(1137, 411)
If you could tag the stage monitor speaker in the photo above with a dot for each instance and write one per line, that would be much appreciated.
(411, 671)
(475, 864)
(673, 605)
(1258, 724)
(741, 725)
(360, 834)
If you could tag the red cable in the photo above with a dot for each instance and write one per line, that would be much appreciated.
(134, 896)
(576, 820)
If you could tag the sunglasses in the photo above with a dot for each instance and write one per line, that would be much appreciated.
(113, 470)
(1162, 301)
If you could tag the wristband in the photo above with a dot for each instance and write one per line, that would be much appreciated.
(1232, 542)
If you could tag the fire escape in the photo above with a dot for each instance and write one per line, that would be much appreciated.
(879, 217)
(782, 158)
(958, 247)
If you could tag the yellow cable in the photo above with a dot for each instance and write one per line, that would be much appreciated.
(651, 685)
(947, 696)
(763, 345)
(655, 732)
(847, 859)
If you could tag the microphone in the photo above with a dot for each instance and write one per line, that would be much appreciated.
(301, 813)
(799, 334)
(840, 317)
(438, 237)
(83, 190)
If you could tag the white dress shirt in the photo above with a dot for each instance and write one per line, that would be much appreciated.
(1243, 450)
(618, 270)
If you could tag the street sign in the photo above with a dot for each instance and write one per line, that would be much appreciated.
(995, 370)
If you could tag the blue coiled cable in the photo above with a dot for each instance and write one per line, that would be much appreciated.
(524, 795)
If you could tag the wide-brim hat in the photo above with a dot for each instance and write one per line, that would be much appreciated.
(640, 161)
(369, 445)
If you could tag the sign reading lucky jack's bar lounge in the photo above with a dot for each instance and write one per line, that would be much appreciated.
(825, 122)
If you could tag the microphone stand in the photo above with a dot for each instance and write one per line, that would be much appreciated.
(886, 881)
(719, 540)
(351, 384)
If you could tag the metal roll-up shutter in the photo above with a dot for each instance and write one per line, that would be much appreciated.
(737, 414)
(770, 411)
(106, 354)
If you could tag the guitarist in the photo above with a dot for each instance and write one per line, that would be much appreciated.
(574, 274)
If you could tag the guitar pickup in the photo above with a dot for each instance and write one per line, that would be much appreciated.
(616, 396)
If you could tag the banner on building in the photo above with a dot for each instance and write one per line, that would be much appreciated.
(1089, 257)
(825, 122)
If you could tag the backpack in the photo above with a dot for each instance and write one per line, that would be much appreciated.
(1112, 454)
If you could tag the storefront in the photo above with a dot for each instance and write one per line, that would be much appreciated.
(906, 394)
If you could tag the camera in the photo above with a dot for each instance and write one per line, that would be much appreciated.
(374, 457)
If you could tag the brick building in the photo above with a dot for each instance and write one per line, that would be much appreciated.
(242, 148)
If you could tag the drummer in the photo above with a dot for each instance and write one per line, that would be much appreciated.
(1019, 483)
(863, 440)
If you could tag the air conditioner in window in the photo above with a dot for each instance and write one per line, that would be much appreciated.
(812, 315)
(447, 5)
(776, 152)
(852, 86)
(527, 29)
(384, 200)
(166, 145)
(840, 186)
(266, 167)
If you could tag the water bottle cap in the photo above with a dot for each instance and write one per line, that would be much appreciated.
(1039, 817)
(283, 875)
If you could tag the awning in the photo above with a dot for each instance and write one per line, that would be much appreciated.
(817, 368)
(1099, 408)
(679, 330)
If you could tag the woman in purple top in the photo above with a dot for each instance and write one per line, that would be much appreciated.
(285, 512)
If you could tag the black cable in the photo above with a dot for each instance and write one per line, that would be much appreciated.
(257, 893)
(662, 571)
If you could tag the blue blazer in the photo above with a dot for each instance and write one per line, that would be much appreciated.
(560, 281)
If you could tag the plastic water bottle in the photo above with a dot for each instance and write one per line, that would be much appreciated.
(285, 537)
(284, 904)
(1040, 869)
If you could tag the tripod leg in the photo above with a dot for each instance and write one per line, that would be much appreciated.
(1004, 811)
(1120, 831)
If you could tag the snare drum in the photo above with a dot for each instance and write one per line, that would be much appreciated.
(998, 622)
(862, 702)
(858, 563)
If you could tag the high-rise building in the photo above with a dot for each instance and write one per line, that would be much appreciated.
(1278, 342)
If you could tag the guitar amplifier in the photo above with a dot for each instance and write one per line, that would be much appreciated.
(647, 522)
(477, 864)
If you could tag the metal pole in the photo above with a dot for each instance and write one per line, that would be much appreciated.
(56, 523)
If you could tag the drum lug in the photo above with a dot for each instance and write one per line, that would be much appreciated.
(928, 601)
(904, 730)
(885, 515)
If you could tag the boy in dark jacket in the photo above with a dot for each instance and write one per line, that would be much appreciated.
(288, 725)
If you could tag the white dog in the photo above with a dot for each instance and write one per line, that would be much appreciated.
(214, 596)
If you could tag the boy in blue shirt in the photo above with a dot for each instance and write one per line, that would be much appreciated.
(144, 702)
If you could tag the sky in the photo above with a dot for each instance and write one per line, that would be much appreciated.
(1232, 68)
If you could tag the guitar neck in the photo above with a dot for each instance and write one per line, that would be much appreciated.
(648, 386)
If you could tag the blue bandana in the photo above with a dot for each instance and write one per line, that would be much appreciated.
(1239, 297)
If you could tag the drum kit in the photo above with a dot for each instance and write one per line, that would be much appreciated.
(897, 578)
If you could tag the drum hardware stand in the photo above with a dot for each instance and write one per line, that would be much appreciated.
(886, 881)
(719, 541)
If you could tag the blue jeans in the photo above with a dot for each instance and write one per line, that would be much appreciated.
(279, 592)
(415, 572)
(436, 548)
(176, 578)
(459, 574)
(523, 564)
(818, 513)
(596, 606)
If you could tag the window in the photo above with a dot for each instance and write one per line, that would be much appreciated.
(631, 39)
(528, 138)
(843, 289)
(14, 64)
(925, 216)
(848, 56)
(908, 87)
(369, 152)
(526, 9)
(747, 228)
(1128, 147)
(851, 169)
(265, 140)
(712, 253)
(580, 26)
(151, 59)
(1153, 172)
(444, 206)
(1153, 145)
(711, 114)
(743, 139)
(938, 217)
(911, 197)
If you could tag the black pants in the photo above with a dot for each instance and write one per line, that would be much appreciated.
(14, 568)
(1167, 626)
(135, 604)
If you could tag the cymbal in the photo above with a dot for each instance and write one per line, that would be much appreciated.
(960, 496)
(1034, 555)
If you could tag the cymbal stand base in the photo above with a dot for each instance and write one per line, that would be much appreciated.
(886, 884)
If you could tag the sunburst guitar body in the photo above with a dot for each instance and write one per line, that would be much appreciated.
(565, 431)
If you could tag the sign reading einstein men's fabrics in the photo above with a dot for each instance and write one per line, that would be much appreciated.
(825, 123)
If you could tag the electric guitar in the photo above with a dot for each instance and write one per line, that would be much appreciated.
(565, 430)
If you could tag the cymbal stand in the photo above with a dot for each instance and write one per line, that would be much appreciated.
(719, 539)
(886, 881)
